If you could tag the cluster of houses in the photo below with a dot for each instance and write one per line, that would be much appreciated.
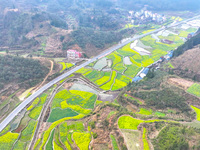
(146, 15)
(143, 73)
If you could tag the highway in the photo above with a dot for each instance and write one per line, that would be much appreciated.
(20, 107)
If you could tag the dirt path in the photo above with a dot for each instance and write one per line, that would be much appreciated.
(50, 71)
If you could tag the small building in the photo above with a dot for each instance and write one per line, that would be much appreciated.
(144, 73)
(169, 55)
(73, 54)
(190, 35)
(136, 79)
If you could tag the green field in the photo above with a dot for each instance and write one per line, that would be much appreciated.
(58, 114)
(82, 140)
(108, 85)
(114, 142)
(145, 111)
(197, 110)
(145, 143)
(127, 122)
(194, 89)
(104, 79)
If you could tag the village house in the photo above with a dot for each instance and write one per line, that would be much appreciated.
(72, 54)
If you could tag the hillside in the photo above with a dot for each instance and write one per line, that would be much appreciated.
(137, 95)
(187, 65)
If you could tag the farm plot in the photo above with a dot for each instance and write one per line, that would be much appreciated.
(197, 110)
(58, 114)
(132, 70)
(145, 111)
(127, 51)
(194, 89)
(132, 139)
(84, 70)
(83, 87)
(82, 140)
(104, 79)
(145, 143)
(94, 75)
(116, 58)
(36, 106)
(65, 65)
(127, 122)
(108, 85)
(7, 140)
(100, 64)
(120, 82)
(71, 103)
(114, 142)
(119, 67)
(67, 135)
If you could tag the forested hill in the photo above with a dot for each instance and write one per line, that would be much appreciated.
(18, 70)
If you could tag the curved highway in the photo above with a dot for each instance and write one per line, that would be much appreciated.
(20, 107)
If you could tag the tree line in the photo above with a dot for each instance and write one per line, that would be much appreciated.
(19, 70)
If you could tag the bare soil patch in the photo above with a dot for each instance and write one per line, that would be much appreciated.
(183, 83)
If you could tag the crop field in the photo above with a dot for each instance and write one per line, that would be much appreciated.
(49, 144)
(132, 139)
(159, 114)
(119, 67)
(83, 70)
(82, 140)
(131, 98)
(127, 122)
(126, 51)
(58, 114)
(183, 34)
(7, 140)
(35, 112)
(100, 64)
(75, 101)
(197, 110)
(132, 70)
(104, 79)
(145, 143)
(115, 58)
(120, 82)
(94, 75)
(19, 145)
(108, 85)
(37, 105)
(194, 89)
(27, 133)
(63, 135)
(114, 142)
(145, 111)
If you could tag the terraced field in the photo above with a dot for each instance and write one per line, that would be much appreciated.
(156, 47)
